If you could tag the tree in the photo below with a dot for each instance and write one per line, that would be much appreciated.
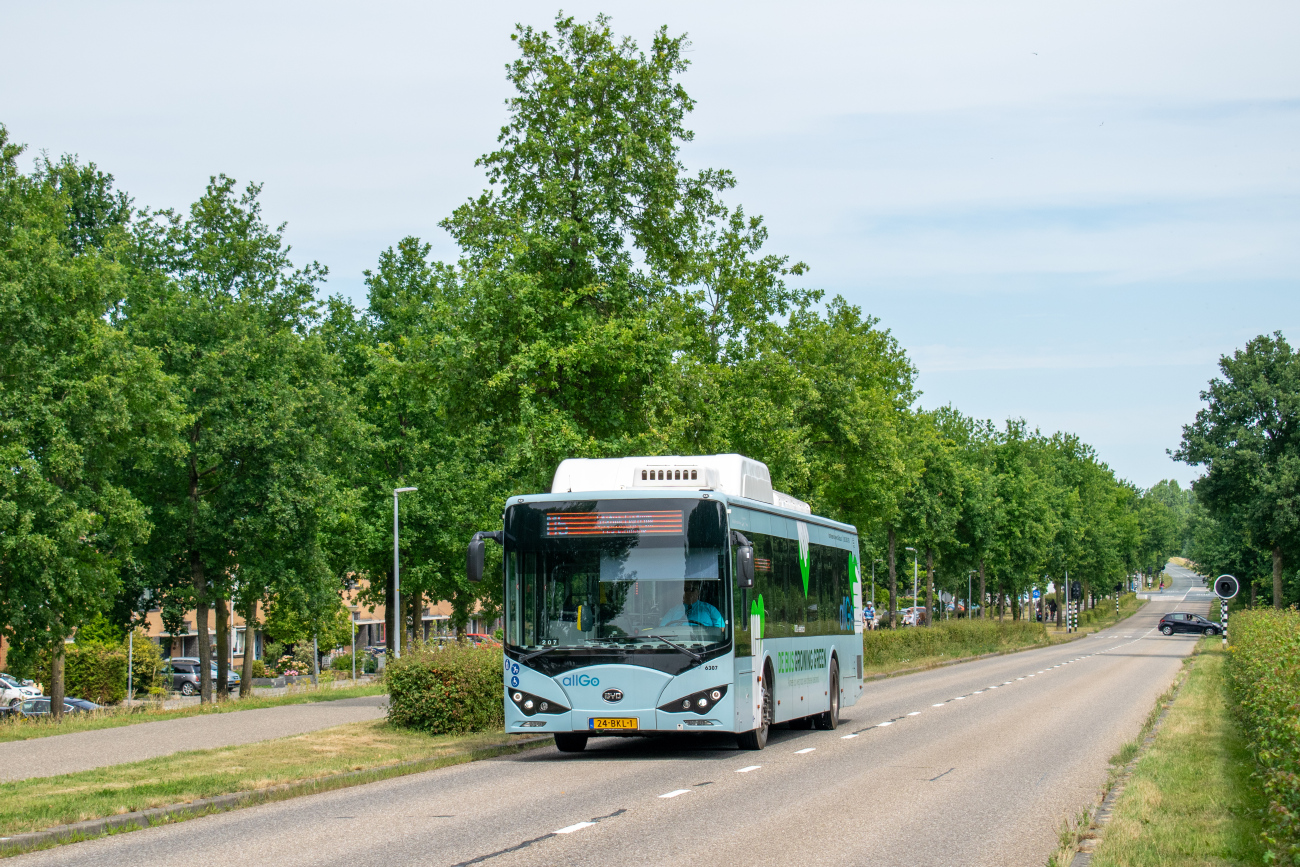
(79, 404)
(242, 511)
(932, 506)
(1248, 440)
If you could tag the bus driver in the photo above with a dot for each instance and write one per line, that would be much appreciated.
(692, 610)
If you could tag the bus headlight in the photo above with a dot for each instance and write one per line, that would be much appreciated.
(700, 702)
(530, 704)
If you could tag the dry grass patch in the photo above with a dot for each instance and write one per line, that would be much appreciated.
(30, 805)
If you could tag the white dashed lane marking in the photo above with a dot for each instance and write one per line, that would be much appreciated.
(674, 793)
(577, 827)
(804, 750)
(748, 769)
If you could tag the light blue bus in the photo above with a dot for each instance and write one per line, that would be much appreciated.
(674, 594)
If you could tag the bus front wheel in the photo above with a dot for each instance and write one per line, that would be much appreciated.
(570, 742)
(757, 739)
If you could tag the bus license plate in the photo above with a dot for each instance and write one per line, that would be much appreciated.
(612, 722)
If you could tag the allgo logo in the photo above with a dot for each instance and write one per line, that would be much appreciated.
(580, 680)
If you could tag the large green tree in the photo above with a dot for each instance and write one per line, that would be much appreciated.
(79, 405)
(243, 511)
(1247, 438)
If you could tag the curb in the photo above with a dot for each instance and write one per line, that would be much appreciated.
(166, 814)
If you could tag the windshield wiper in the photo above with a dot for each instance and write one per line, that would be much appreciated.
(698, 657)
(528, 656)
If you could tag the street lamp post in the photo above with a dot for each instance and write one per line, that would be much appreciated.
(969, 613)
(397, 581)
(873, 583)
(914, 572)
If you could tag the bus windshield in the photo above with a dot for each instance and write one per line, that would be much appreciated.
(641, 582)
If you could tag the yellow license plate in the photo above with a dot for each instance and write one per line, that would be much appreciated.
(612, 722)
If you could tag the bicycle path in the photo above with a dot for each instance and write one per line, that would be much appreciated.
(83, 751)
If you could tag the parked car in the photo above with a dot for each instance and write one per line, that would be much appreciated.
(184, 674)
(480, 638)
(40, 706)
(1185, 623)
(13, 691)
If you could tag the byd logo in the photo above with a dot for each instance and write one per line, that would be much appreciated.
(580, 680)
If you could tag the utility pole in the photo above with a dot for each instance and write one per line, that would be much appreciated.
(397, 581)
(914, 573)
(873, 583)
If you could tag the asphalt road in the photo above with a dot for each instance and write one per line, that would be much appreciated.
(972, 764)
(82, 751)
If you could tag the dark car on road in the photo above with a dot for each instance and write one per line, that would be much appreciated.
(1187, 623)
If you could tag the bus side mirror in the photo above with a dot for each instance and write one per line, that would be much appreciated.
(474, 556)
(745, 566)
(744, 560)
(474, 561)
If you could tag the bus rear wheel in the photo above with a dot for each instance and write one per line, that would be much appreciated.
(757, 739)
(829, 720)
(570, 742)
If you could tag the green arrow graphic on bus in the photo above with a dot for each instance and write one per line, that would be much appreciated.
(804, 562)
(756, 607)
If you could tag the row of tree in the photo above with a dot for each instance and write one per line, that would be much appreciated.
(186, 422)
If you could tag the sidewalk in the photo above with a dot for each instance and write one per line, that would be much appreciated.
(81, 751)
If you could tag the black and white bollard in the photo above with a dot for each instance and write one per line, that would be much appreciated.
(1225, 587)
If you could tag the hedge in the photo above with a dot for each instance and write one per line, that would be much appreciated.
(1264, 677)
(453, 689)
(949, 638)
(95, 672)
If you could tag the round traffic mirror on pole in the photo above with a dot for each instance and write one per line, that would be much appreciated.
(1225, 586)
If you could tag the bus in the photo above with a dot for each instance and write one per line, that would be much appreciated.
(674, 594)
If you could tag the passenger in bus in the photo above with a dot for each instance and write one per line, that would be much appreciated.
(692, 611)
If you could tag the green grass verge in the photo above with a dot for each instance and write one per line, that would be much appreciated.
(44, 802)
(19, 729)
(1190, 799)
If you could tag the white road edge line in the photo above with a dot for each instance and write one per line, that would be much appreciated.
(748, 769)
(674, 793)
(577, 827)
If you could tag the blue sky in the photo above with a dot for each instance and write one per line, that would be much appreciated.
(1065, 212)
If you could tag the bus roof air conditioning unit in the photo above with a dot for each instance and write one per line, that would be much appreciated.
(734, 475)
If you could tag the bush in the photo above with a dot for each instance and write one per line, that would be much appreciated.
(95, 672)
(452, 690)
(273, 653)
(1264, 677)
(949, 638)
(260, 669)
(146, 663)
(343, 662)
